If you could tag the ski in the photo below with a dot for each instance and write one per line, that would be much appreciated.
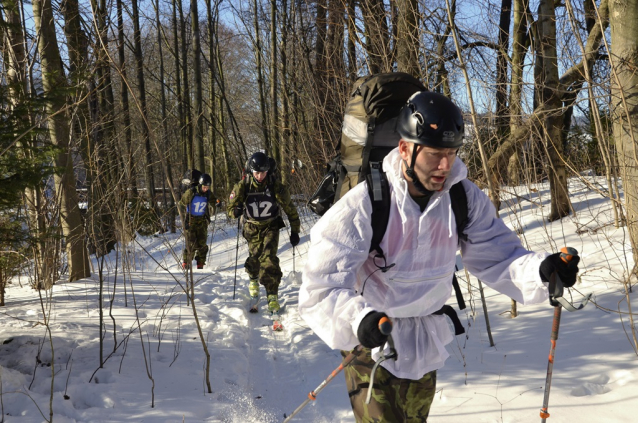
(276, 322)
(254, 304)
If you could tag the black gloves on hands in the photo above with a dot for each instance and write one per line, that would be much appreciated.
(369, 334)
(238, 211)
(294, 239)
(566, 271)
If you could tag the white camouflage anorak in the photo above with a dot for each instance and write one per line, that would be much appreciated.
(342, 284)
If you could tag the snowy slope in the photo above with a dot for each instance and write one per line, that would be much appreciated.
(258, 375)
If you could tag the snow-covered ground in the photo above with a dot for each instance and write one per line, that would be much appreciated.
(154, 361)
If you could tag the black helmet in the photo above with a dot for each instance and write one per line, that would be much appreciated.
(205, 179)
(259, 162)
(425, 109)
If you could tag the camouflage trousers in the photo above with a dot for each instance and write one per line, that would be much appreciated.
(262, 262)
(393, 400)
(196, 241)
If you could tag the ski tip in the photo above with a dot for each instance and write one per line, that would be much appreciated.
(277, 326)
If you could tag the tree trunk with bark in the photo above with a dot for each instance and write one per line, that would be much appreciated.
(377, 35)
(146, 132)
(284, 150)
(260, 76)
(54, 85)
(407, 40)
(125, 114)
(548, 95)
(186, 102)
(212, 18)
(169, 204)
(352, 41)
(274, 86)
(624, 96)
(16, 66)
(198, 121)
(178, 90)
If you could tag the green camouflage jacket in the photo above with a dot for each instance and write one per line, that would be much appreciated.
(261, 202)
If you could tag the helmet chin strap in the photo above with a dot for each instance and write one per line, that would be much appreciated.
(409, 171)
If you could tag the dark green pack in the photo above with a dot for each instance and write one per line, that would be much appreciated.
(368, 133)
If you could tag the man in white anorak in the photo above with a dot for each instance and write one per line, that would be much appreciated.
(346, 292)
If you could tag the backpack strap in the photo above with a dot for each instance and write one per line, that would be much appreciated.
(379, 191)
(451, 314)
(458, 197)
(367, 149)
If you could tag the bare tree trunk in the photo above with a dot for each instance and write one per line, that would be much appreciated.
(146, 136)
(178, 92)
(407, 40)
(165, 143)
(334, 84)
(198, 124)
(377, 35)
(260, 76)
(547, 88)
(99, 130)
(441, 80)
(274, 82)
(17, 80)
(226, 159)
(520, 44)
(188, 121)
(53, 81)
(501, 66)
(212, 19)
(352, 41)
(284, 150)
(624, 59)
(502, 120)
(126, 116)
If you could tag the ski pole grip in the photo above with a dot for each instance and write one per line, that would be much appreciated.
(385, 325)
(567, 254)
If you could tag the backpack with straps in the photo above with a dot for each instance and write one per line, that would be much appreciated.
(367, 135)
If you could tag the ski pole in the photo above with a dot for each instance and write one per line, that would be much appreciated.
(236, 256)
(212, 236)
(385, 326)
(567, 253)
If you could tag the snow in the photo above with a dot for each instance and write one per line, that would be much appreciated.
(258, 375)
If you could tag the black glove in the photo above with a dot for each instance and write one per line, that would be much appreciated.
(294, 239)
(369, 334)
(238, 211)
(566, 271)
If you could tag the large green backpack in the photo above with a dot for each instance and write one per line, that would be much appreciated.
(368, 133)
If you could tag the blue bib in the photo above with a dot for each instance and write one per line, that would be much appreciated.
(198, 205)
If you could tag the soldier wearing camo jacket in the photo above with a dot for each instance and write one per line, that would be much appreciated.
(198, 206)
(257, 199)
